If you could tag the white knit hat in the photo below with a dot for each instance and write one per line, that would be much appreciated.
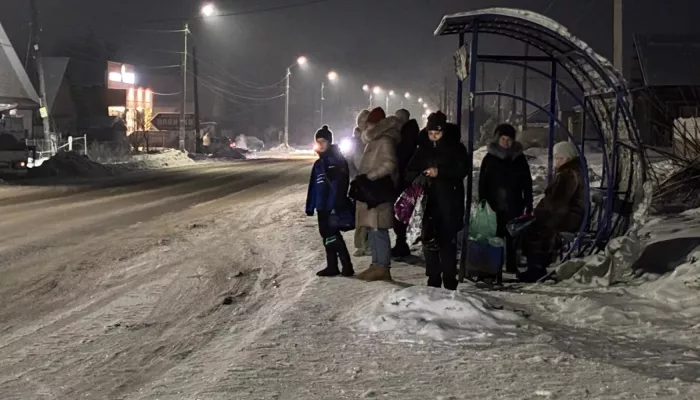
(566, 150)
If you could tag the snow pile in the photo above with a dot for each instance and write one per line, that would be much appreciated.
(70, 165)
(167, 159)
(439, 314)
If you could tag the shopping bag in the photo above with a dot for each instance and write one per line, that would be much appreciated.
(414, 230)
(517, 226)
(483, 224)
(486, 256)
(344, 218)
(407, 201)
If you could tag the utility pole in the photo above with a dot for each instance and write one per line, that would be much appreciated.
(514, 103)
(36, 47)
(498, 106)
(524, 88)
(323, 86)
(286, 110)
(195, 88)
(617, 36)
(183, 115)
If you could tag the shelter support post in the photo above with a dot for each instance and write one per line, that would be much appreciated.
(473, 63)
(552, 125)
(460, 88)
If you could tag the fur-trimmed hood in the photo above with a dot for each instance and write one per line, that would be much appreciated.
(505, 154)
(362, 120)
(388, 127)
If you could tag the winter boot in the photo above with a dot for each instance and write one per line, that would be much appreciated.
(345, 260)
(400, 250)
(435, 281)
(331, 258)
(532, 274)
(377, 273)
(360, 253)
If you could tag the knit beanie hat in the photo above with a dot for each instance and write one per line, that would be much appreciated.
(324, 133)
(505, 130)
(436, 121)
(566, 150)
(376, 115)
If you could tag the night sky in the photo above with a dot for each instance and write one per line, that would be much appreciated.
(384, 42)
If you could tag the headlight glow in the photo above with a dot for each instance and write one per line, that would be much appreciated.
(346, 146)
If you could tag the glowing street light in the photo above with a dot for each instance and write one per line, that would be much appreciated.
(420, 99)
(428, 112)
(391, 93)
(407, 95)
(376, 90)
(332, 77)
(425, 105)
(208, 10)
(301, 61)
(365, 88)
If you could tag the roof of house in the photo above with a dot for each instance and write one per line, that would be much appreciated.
(15, 86)
(669, 60)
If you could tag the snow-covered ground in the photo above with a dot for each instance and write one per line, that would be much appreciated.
(167, 159)
(232, 310)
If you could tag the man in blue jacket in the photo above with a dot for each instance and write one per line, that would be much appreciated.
(327, 196)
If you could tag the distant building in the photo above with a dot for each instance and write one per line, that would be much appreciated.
(667, 81)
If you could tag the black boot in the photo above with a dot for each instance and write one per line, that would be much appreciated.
(400, 250)
(448, 262)
(433, 269)
(532, 274)
(344, 256)
(331, 258)
(435, 281)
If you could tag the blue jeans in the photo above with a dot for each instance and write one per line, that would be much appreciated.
(380, 247)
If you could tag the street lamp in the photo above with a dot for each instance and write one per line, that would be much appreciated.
(300, 62)
(208, 10)
(376, 90)
(389, 95)
(425, 105)
(420, 99)
(407, 95)
(332, 77)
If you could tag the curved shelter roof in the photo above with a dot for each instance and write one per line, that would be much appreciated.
(605, 90)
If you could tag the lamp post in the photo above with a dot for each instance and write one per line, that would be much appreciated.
(375, 91)
(332, 77)
(207, 10)
(300, 61)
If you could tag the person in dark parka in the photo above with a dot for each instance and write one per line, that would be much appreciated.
(505, 182)
(561, 210)
(442, 159)
(404, 153)
(327, 194)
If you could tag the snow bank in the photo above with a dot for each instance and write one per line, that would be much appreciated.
(439, 314)
(167, 159)
(70, 165)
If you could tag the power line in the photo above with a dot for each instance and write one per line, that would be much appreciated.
(232, 14)
(219, 89)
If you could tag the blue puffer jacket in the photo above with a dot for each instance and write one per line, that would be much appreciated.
(328, 184)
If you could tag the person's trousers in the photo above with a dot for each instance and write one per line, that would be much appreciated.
(333, 242)
(510, 243)
(400, 230)
(361, 238)
(441, 264)
(380, 247)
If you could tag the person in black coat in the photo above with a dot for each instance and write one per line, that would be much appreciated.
(442, 159)
(327, 196)
(404, 153)
(505, 182)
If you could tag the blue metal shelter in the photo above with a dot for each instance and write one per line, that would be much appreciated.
(605, 104)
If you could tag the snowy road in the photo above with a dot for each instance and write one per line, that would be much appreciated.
(198, 283)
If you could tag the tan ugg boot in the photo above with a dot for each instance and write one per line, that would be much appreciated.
(376, 273)
(364, 273)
